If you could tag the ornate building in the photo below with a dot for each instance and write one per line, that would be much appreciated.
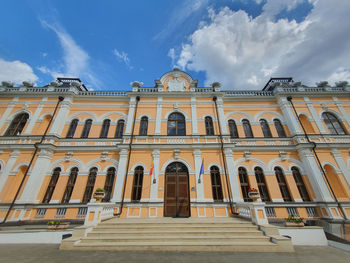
(175, 149)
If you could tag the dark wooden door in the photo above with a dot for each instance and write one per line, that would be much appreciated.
(177, 195)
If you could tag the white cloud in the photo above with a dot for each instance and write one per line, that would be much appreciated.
(171, 54)
(16, 72)
(244, 52)
(122, 56)
(76, 61)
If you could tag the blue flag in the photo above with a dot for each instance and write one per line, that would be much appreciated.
(201, 171)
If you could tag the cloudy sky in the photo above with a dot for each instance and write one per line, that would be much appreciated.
(240, 43)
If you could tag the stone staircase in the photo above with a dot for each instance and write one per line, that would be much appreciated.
(176, 234)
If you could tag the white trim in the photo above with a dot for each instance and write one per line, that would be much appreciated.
(134, 167)
(17, 167)
(280, 160)
(263, 165)
(40, 119)
(80, 165)
(215, 164)
(258, 115)
(74, 115)
(178, 111)
(248, 116)
(183, 161)
(337, 114)
(336, 169)
(105, 115)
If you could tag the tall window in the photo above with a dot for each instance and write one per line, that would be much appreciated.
(105, 128)
(209, 128)
(333, 124)
(283, 185)
(216, 184)
(260, 179)
(72, 128)
(52, 185)
(176, 124)
(233, 129)
(300, 184)
(143, 126)
(247, 129)
(70, 185)
(17, 125)
(120, 129)
(137, 184)
(90, 185)
(109, 184)
(279, 128)
(243, 179)
(265, 128)
(86, 129)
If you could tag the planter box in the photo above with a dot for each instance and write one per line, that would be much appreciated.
(99, 196)
(58, 227)
(294, 224)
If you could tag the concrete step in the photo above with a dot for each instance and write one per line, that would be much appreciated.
(168, 224)
(175, 228)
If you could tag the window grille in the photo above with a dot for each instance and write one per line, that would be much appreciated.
(311, 212)
(270, 212)
(40, 212)
(61, 212)
(292, 211)
(82, 211)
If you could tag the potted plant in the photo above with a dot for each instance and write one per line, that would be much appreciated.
(294, 221)
(57, 225)
(99, 194)
(253, 194)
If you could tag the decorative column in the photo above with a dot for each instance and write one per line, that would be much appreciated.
(35, 117)
(315, 116)
(315, 176)
(221, 116)
(130, 119)
(199, 185)
(155, 176)
(36, 177)
(118, 188)
(7, 112)
(60, 119)
(159, 116)
(194, 116)
(344, 169)
(8, 168)
(236, 194)
(289, 116)
(342, 110)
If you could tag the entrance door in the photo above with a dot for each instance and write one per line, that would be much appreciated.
(176, 195)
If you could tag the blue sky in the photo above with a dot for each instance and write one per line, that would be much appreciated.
(108, 44)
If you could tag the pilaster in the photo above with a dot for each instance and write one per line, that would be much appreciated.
(199, 184)
(7, 112)
(343, 168)
(159, 116)
(61, 117)
(118, 188)
(130, 119)
(315, 116)
(8, 168)
(194, 116)
(341, 109)
(222, 116)
(35, 117)
(289, 116)
(155, 176)
(234, 183)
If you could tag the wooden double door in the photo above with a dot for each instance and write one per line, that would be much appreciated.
(176, 194)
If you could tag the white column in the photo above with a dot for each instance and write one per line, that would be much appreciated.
(315, 116)
(194, 116)
(315, 176)
(8, 168)
(344, 169)
(159, 116)
(35, 117)
(197, 164)
(341, 109)
(7, 112)
(155, 177)
(289, 116)
(130, 119)
(118, 188)
(222, 116)
(36, 177)
(234, 183)
(61, 117)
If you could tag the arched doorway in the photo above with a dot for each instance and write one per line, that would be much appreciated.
(176, 194)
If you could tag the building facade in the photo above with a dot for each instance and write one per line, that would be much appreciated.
(175, 149)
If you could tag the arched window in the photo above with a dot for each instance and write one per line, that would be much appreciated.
(72, 128)
(137, 184)
(265, 128)
(105, 128)
(86, 129)
(333, 124)
(143, 126)
(279, 128)
(176, 124)
(120, 129)
(109, 184)
(209, 128)
(243, 179)
(216, 184)
(260, 179)
(52, 185)
(233, 129)
(17, 125)
(283, 185)
(247, 129)
(90, 185)
(300, 184)
(70, 185)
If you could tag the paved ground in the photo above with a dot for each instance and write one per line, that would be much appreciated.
(50, 253)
